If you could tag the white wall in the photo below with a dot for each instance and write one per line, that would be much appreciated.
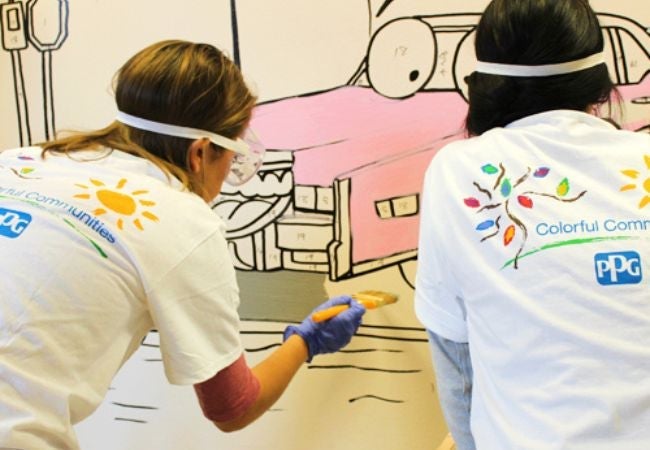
(287, 48)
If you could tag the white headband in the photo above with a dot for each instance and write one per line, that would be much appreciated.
(545, 70)
(237, 146)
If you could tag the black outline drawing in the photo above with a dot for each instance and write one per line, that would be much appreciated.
(22, 25)
(272, 221)
(14, 40)
(262, 244)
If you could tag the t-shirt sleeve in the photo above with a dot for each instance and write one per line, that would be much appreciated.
(194, 308)
(228, 394)
(438, 303)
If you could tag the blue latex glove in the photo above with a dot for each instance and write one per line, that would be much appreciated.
(333, 334)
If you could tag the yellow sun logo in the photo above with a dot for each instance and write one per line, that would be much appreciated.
(124, 204)
(645, 184)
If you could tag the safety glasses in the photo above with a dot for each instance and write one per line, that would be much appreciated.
(245, 165)
(249, 151)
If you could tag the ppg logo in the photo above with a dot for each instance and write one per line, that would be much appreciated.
(13, 223)
(618, 268)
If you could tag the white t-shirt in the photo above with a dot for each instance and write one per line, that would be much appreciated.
(534, 249)
(94, 254)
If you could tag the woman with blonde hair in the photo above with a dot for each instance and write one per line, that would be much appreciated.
(107, 234)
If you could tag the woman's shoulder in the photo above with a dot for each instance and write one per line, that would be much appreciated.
(139, 192)
(461, 149)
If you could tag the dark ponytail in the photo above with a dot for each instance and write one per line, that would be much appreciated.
(535, 32)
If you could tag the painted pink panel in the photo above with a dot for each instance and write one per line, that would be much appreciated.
(341, 130)
(384, 146)
(633, 91)
(372, 236)
(640, 92)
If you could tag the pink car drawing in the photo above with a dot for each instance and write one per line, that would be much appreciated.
(338, 192)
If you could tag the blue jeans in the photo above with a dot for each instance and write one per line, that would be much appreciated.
(453, 369)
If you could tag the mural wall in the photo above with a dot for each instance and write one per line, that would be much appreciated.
(355, 98)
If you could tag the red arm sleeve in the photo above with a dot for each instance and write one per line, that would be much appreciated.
(228, 394)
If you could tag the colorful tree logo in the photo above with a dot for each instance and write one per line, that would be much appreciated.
(641, 184)
(497, 201)
(23, 172)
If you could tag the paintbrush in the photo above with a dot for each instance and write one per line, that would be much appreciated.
(369, 299)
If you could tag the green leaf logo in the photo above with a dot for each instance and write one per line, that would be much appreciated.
(563, 188)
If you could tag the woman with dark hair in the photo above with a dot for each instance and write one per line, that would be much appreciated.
(105, 235)
(523, 33)
(531, 287)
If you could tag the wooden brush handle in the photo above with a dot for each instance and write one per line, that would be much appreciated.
(325, 314)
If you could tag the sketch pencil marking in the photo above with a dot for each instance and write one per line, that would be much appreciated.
(127, 405)
(392, 338)
(125, 419)
(368, 350)
(370, 369)
(261, 332)
(387, 327)
(261, 349)
(145, 344)
(374, 397)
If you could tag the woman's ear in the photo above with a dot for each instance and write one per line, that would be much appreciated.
(196, 154)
